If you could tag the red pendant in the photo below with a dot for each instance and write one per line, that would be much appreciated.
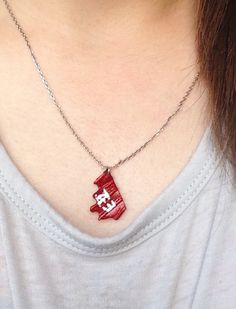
(109, 202)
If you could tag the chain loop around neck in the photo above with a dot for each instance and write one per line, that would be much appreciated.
(64, 117)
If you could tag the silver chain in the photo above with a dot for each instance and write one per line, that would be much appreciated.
(55, 101)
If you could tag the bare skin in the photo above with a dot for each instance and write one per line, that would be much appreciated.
(118, 68)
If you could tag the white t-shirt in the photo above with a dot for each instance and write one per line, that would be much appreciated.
(179, 253)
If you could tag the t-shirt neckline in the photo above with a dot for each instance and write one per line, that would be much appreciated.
(163, 209)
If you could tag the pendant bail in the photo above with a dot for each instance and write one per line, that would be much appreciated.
(108, 169)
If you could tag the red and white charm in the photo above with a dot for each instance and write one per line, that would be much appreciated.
(109, 202)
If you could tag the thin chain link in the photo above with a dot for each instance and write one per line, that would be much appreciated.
(79, 139)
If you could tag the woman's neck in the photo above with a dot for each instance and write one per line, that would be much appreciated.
(108, 19)
(100, 12)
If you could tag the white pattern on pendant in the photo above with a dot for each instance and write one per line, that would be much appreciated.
(104, 198)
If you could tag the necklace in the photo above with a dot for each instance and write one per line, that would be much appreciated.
(109, 201)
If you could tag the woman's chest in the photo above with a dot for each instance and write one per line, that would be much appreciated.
(63, 172)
